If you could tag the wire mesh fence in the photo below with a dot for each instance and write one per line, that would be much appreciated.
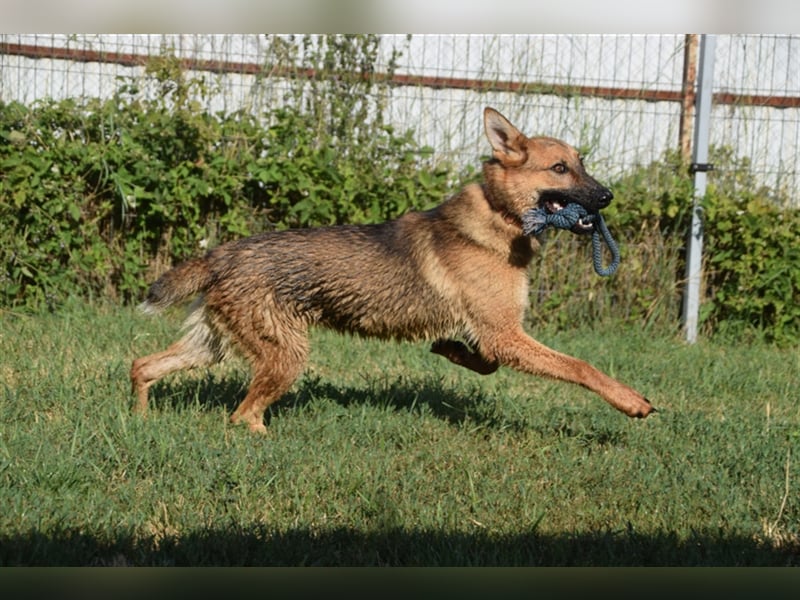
(620, 98)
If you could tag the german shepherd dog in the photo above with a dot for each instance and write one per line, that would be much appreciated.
(456, 272)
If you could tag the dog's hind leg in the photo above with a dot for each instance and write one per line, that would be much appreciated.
(201, 346)
(276, 365)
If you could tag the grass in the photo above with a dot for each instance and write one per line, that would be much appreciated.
(383, 454)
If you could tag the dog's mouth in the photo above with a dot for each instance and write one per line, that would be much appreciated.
(553, 205)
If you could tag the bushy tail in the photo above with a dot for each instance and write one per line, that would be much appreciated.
(178, 284)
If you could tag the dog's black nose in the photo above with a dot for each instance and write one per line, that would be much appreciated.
(604, 199)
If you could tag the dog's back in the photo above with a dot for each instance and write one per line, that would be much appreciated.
(405, 279)
(339, 277)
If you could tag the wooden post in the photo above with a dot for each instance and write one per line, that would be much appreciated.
(688, 95)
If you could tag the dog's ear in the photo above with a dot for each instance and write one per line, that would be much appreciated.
(508, 144)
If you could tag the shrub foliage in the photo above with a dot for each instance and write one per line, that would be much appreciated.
(99, 196)
(751, 255)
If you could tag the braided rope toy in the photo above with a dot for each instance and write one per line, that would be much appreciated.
(536, 220)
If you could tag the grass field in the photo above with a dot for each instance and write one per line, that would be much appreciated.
(384, 454)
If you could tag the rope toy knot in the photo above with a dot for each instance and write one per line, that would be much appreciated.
(536, 220)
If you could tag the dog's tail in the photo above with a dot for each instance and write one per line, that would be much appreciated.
(178, 284)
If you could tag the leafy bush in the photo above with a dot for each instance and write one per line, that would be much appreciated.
(98, 197)
(751, 255)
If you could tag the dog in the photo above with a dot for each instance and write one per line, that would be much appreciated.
(456, 275)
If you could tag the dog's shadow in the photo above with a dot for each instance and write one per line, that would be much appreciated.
(403, 393)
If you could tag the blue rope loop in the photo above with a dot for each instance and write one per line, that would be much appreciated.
(536, 220)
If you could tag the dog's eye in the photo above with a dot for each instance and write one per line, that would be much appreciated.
(559, 168)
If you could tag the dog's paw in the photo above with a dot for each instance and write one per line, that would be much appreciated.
(645, 410)
(254, 425)
(258, 428)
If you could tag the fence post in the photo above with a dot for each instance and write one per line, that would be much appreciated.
(688, 94)
(699, 168)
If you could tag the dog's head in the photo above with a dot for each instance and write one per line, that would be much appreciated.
(525, 173)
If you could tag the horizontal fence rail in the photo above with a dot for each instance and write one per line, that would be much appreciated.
(625, 97)
(435, 82)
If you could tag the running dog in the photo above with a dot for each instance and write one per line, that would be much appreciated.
(456, 275)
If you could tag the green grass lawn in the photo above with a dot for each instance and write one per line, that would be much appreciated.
(383, 454)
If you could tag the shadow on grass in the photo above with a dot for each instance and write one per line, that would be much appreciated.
(257, 546)
(402, 393)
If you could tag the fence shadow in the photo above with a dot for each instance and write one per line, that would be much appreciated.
(254, 545)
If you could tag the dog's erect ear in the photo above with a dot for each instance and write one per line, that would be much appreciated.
(508, 144)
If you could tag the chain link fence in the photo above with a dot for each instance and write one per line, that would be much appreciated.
(620, 98)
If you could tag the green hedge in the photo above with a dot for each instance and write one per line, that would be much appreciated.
(97, 197)
(751, 254)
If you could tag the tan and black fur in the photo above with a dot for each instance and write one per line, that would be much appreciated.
(458, 271)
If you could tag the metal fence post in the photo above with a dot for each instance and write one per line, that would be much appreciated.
(699, 168)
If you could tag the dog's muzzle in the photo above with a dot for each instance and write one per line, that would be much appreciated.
(592, 200)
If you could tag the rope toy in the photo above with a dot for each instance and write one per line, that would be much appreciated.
(536, 220)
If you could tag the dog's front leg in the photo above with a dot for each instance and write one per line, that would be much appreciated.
(519, 351)
(458, 353)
